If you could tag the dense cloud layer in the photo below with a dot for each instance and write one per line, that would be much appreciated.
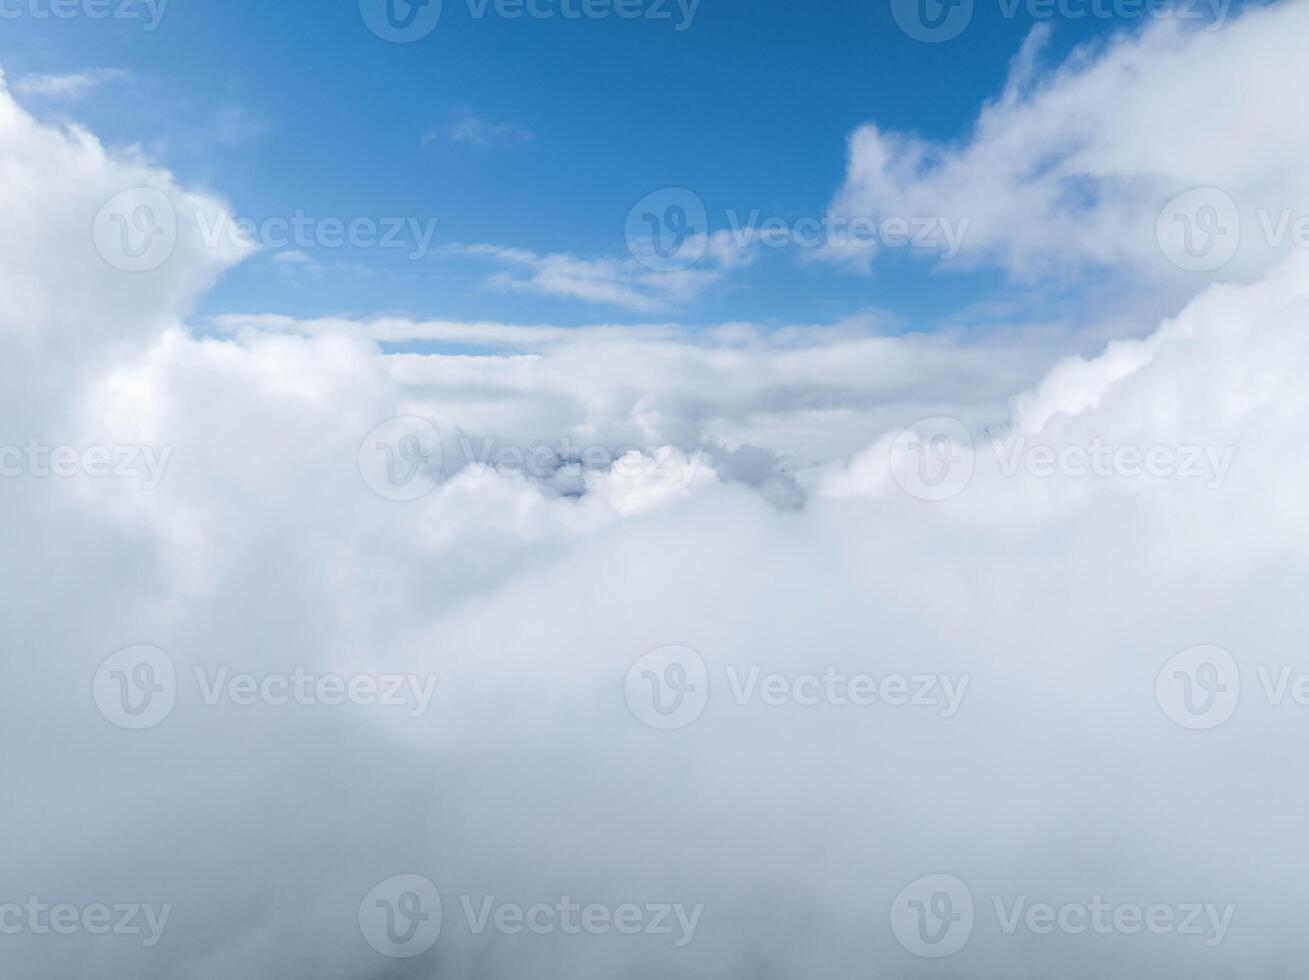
(1027, 565)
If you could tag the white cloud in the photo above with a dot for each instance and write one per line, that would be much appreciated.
(793, 550)
(70, 86)
(262, 549)
(65, 304)
(467, 127)
(293, 261)
(622, 282)
(801, 394)
(1066, 172)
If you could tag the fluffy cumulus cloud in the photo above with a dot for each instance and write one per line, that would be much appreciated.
(1067, 173)
(920, 595)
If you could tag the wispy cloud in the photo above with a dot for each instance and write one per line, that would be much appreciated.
(70, 86)
(236, 125)
(294, 260)
(468, 128)
(607, 279)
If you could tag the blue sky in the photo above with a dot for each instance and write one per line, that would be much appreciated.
(536, 134)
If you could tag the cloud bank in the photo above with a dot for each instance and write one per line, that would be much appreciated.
(909, 648)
